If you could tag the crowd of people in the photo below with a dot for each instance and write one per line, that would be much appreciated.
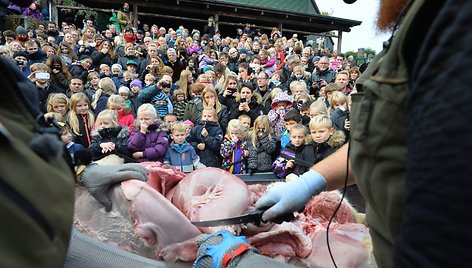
(248, 103)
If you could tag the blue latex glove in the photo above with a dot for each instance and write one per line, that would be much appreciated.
(285, 198)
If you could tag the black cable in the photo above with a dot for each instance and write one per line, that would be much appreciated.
(339, 205)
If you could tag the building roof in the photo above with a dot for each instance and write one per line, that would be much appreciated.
(296, 16)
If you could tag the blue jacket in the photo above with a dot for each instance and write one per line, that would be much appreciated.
(183, 157)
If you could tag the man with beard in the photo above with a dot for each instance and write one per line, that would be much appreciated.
(400, 116)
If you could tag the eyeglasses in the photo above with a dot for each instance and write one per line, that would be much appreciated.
(323, 63)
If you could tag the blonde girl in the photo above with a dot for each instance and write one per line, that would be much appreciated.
(80, 118)
(184, 83)
(261, 146)
(58, 103)
(234, 148)
(109, 137)
(124, 113)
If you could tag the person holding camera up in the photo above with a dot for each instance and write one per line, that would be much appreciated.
(22, 61)
(40, 77)
(248, 103)
(158, 95)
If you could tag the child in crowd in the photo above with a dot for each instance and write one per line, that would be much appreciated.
(275, 79)
(80, 119)
(338, 102)
(280, 105)
(125, 117)
(179, 103)
(298, 74)
(189, 126)
(261, 146)
(326, 140)
(246, 120)
(170, 119)
(291, 119)
(125, 93)
(109, 137)
(206, 138)
(117, 74)
(297, 157)
(318, 107)
(58, 103)
(234, 148)
(148, 142)
(68, 139)
(135, 87)
(127, 78)
(104, 70)
(161, 101)
(149, 80)
(181, 154)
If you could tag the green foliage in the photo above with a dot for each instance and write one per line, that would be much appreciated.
(14, 21)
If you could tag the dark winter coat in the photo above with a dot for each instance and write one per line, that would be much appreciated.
(44, 93)
(260, 155)
(338, 117)
(255, 109)
(99, 58)
(153, 144)
(304, 152)
(79, 71)
(222, 116)
(210, 156)
(39, 56)
(323, 150)
(118, 135)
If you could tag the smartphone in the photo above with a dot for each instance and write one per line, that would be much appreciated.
(44, 76)
(242, 100)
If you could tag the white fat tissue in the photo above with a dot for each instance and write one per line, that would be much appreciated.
(153, 219)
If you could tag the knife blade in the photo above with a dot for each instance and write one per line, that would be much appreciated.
(251, 217)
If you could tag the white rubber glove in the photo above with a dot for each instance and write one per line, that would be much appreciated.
(286, 198)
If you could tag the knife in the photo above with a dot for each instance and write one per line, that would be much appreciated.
(251, 217)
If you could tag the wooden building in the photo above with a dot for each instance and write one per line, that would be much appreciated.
(295, 16)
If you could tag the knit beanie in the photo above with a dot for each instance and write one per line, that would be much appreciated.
(20, 30)
(162, 109)
(21, 53)
(117, 66)
(137, 83)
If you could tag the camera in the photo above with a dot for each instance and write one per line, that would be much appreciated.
(242, 100)
(20, 62)
(300, 102)
(165, 85)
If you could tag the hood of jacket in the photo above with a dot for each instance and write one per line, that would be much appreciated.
(337, 139)
(120, 132)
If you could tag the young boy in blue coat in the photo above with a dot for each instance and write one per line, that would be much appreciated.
(181, 154)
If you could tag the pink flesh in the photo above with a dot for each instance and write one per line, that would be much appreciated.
(162, 177)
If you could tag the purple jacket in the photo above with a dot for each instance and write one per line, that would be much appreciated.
(154, 143)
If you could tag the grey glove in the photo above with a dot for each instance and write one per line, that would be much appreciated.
(221, 249)
(99, 179)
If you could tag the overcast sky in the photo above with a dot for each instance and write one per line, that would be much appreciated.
(364, 35)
